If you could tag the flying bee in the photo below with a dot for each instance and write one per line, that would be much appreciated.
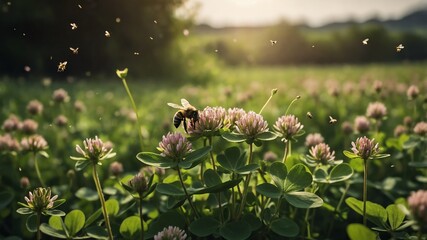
(332, 120)
(185, 111)
(309, 115)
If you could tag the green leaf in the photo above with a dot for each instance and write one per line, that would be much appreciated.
(266, 136)
(285, 227)
(97, 232)
(303, 199)
(92, 218)
(269, 190)
(239, 230)
(87, 194)
(130, 228)
(232, 159)
(55, 222)
(298, 178)
(80, 165)
(211, 178)
(350, 155)
(169, 189)
(233, 137)
(74, 221)
(357, 231)
(53, 232)
(217, 188)
(194, 158)
(321, 176)
(204, 226)
(31, 223)
(24, 211)
(418, 164)
(54, 212)
(395, 216)
(166, 219)
(374, 212)
(156, 160)
(253, 221)
(112, 207)
(79, 158)
(5, 198)
(247, 169)
(341, 173)
(278, 172)
(58, 203)
(357, 164)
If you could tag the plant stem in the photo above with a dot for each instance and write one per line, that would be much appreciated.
(337, 209)
(365, 190)
(268, 100)
(141, 217)
(307, 213)
(246, 184)
(39, 233)
(186, 193)
(211, 154)
(101, 198)
(287, 150)
(135, 110)
(38, 170)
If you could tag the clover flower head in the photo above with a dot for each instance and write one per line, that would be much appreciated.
(24, 182)
(40, 199)
(35, 107)
(347, 128)
(211, 119)
(399, 130)
(421, 128)
(365, 148)
(79, 106)
(313, 139)
(378, 86)
(116, 168)
(288, 126)
(417, 202)
(139, 183)
(11, 124)
(233, 114)
(95, 150)
(171, 233)
(251, 124)
(376, 110)
(60, 95)
(34, 143)
(321, 154)
(174, 146)
(8, 143)
(270, 156)
(361, 124)
(412, 92)
(61, 121)
(29, 126)
(407, 121)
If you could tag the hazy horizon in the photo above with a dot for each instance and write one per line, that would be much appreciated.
(221, 13)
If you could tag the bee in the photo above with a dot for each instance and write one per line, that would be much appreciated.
(185, 111)
(400, 47)
(309, 115)
(332, 120)
(365, 42)
(74, 50)
(273, 42)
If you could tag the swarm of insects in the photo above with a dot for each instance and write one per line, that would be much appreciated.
(185, 111)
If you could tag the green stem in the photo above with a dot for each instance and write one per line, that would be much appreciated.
(135, 110)
(287, 150)
(268, 100)
(246, 184)
(38, 170)
(365, 190)
(287, 109)
(186, 193)
(307, 222)
(141, 217)
(211, 154)
(101, 198)
(337, 209)
(39, 233)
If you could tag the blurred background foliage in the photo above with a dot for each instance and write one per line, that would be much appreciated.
(152, 39)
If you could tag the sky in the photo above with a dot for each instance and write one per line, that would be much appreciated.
(220, 13)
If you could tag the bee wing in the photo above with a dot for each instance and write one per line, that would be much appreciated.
(185, 103)
(175, 105)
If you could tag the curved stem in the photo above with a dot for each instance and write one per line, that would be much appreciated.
(246, 185)
(287, 150)
(101, 198)
(365, 190)
(141, 217)
(135, 110)
(186, 193)
(268, 100)
(38, 170)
